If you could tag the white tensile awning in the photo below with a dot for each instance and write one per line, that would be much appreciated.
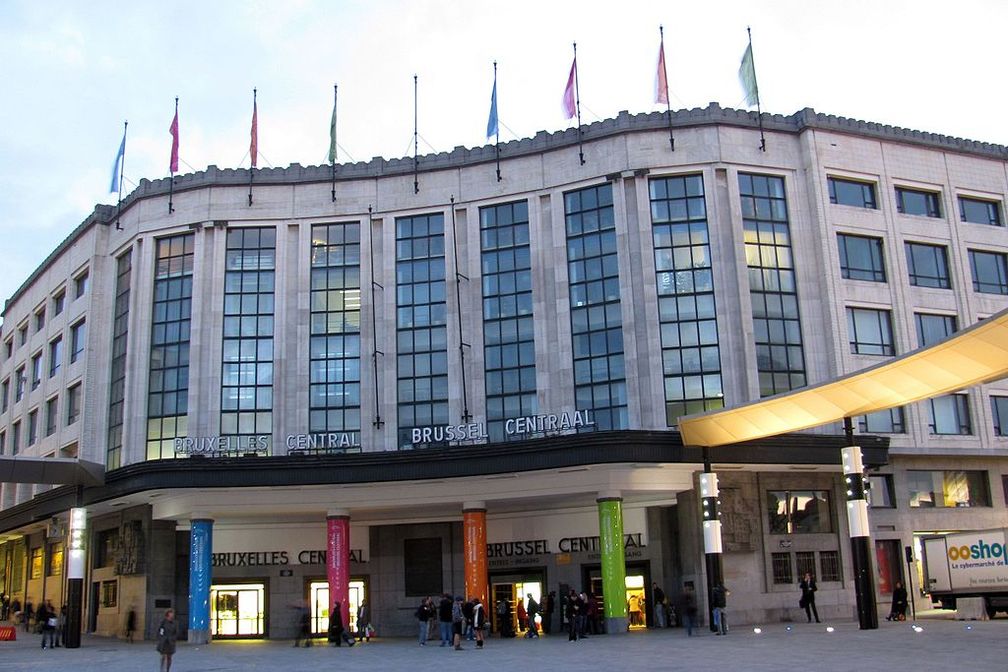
(974, 356)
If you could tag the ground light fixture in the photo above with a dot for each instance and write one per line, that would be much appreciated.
(829, 628)
(758, 630)
(916, 628)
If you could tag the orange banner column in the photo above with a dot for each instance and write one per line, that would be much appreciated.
(474, 550)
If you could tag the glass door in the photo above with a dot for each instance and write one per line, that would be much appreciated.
(238, 610)
(318, 598)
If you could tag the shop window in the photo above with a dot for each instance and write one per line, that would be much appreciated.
(851, 192)
(917, 202)
(979, 211)
(35, 571)
(861, 258)
(799, 511)
(781, 568)
(55, 560)
(805, 563)
(109, 593)
(422, 566)
(880, 492)
(937, 489)
(829, 565)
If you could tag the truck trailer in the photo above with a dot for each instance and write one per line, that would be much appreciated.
(967, 564)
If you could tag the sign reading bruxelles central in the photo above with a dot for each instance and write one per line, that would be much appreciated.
(550, 423)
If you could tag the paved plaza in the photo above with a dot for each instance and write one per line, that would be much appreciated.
(942, 644)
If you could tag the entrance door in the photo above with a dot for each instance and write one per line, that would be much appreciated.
(510, 589)
(237, 610)
(635, 593)
(92, 625)
(318, 599)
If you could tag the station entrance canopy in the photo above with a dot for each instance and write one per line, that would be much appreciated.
(973, 356)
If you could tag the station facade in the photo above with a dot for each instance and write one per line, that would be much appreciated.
(419, 379)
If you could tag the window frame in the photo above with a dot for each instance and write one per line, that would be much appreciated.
(941, 254)
(1000, 283)
(834, 198)
(848, 272)
(78, 339)
(82, 282)
(993, 207)
(791, 527)
(919, 326)
(982, 497)
(858, 346)
(933, 205)
(963, 418)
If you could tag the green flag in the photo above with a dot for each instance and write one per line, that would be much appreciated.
(747, 76)
(332, 131)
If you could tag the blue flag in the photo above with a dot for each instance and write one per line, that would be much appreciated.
(117, 166)
(492, 120)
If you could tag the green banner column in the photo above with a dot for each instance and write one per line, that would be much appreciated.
(610, 511)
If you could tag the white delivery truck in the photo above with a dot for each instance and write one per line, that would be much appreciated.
(967, 564)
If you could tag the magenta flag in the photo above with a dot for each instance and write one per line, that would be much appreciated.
(254, 144)
(661, 81)
(173, 129)
(568, 98)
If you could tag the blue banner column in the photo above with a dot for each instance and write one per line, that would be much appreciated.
(200, 551)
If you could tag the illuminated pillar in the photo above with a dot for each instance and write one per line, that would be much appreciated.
(610, 512)
(75, 578)
(200, 575)
(711, 505)
(338, 561)
(857, 525)
(474, 550)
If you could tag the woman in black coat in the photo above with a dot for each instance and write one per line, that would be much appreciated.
(167, 636)
(808, 591)
(899, 603)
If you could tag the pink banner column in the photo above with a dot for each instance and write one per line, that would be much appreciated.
(338, 561)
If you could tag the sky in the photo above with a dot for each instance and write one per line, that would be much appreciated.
(72, 72)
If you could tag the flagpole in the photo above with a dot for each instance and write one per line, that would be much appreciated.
(416, 176)
(122, 169)
(759, 112)
(171, 182)
(497, 143)
(332, 157)
(577, 102)
(254, 148)
(668, 105)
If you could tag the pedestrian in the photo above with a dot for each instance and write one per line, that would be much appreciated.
(688, 609)
(548, 611)
(807, 601)
(337, 632)
(592, 614)
(899, 603)
(719, 602)
(363, 622)
(4, 604)
(303, 626)
(502, 618)
(167, 636)
(458, 619)
(422, 614)
(29, 613)
(572, 617)
(47, 625)
(582, 615)
(532, 611)
(469, 620)
(61, 627)
(130, 624)
(445, 619)
(521, 614)
(15, 610)
(658, 600)
(478, 621)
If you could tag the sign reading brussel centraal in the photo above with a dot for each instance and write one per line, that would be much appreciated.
(547, 423)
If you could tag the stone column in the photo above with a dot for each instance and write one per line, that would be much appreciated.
(338, 562)
(474, 550)
(610, 510)
(857, 525)
(200, 575)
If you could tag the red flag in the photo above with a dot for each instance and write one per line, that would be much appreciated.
(568, 97)
(661, 82)
(254, 145)
(173, 129)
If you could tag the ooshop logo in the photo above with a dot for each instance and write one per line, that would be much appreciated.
(978, 551)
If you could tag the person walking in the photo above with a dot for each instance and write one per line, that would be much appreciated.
(337, 632)
(688, 609)
(363, 622)
(47, 622)
(658, 601)
(130, 624)
(572, 617)
(167, 636)
(521, 614)
(548, 612)
(15, 610)
(807, 601)
(304, 626)
(60, 627)
(899, 603)
(719, 602)
(532, 611)
(445, 619)
(581, 619)
(478, 620)
(457, 622)
(29, 613)
(422, 614)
